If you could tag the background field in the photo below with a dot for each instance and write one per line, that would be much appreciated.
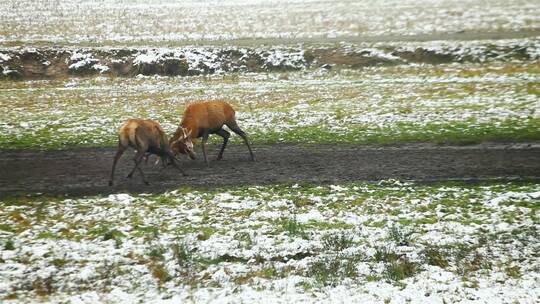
(167, 22)
(444, 104)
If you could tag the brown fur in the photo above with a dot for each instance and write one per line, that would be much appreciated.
(208, 117)
(142, 134)
(205, 115)
(145, 136)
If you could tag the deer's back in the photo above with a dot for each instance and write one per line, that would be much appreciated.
(208, 114)
(146, 131)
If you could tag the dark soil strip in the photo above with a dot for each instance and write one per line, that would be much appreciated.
(85, 171)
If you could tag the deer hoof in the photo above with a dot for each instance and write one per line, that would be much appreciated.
(129, 175)
(110, 183)
(147, 183)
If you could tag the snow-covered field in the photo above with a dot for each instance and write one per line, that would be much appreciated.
(385, 242)
(380, 242)
(455, 102)
(166, 21)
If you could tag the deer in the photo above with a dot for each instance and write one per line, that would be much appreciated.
(146, 137)
(202, 119)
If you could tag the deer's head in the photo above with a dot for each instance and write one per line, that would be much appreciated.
(183, 144)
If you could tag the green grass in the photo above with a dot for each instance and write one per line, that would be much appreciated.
(400, 236)
(334, 269)
(9, 245)
(513, 272)
(385, 254)
(400, 269)
(156, 253)
(182, 254)
(264, 273)
(337, 242)
(435, 256)
(292, 227)
(308, 108)
(455, 134)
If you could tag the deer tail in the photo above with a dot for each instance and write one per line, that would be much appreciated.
(125, 137)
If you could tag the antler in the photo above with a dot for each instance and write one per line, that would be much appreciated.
(187, 132)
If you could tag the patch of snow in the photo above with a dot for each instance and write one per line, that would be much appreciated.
(4, 57)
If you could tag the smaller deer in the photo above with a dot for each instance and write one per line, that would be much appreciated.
(146, 137)
(204, 118)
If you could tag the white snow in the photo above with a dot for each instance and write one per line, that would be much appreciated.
(114, 22)
(79, 61)
(4, 57)
(273, 264)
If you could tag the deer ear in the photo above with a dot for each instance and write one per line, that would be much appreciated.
(188, 133)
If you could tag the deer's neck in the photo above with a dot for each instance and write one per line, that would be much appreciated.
(191, 126)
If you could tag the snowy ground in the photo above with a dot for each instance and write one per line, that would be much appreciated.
(454, 102)
(388, 241)
(163, 22)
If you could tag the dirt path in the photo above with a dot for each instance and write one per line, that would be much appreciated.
(85, 171)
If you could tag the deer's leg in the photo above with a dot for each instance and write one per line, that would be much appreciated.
(236, 129)
(142, 176)
(204, 140)
(138, 159)
(223, 133)
(173, 160)
(146, 157)
(119, 152)
(163, 162)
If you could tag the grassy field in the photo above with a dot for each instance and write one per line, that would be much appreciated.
(166, 22)
(461, 104)
(386, 241)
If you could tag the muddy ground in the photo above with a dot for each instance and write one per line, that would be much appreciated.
(85, 171)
